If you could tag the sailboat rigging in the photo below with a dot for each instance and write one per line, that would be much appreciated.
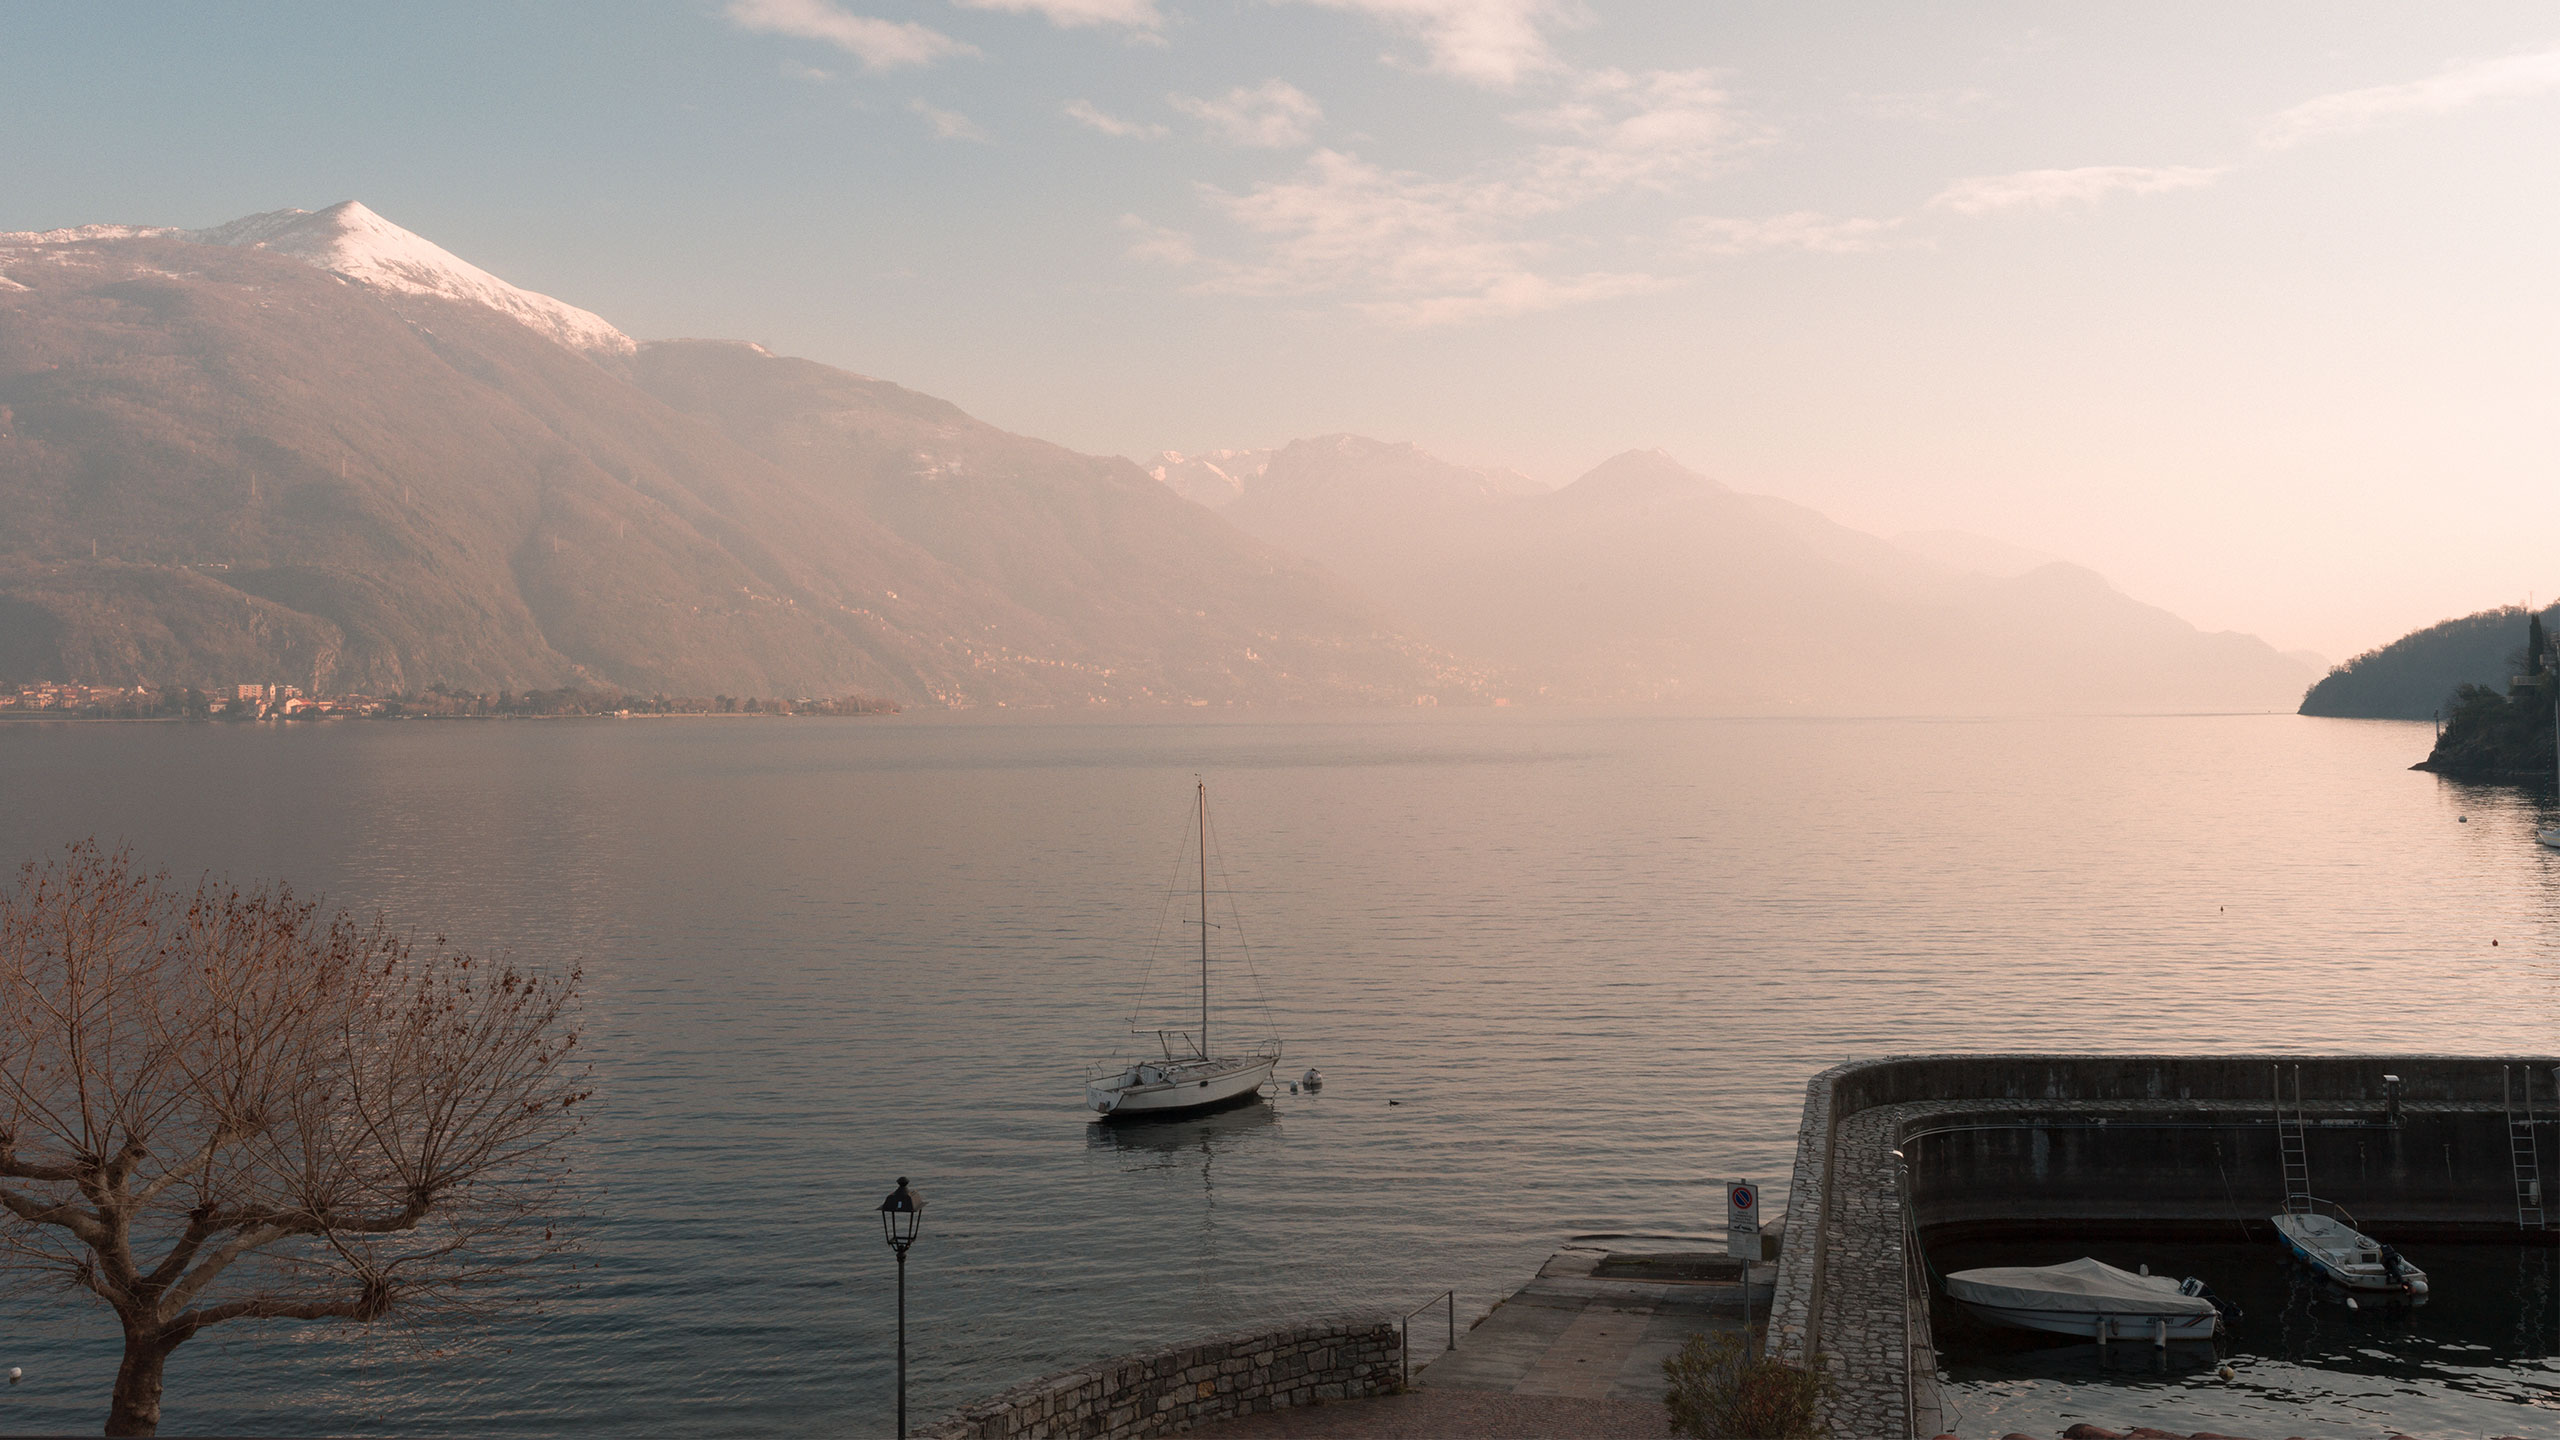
(1201, 1080)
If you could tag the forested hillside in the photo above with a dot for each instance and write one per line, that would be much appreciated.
(2415, 676)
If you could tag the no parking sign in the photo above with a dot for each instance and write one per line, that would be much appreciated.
(1742, 1220)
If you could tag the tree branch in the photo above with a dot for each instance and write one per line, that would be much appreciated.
(368, 1306)
(65, 1213)
(220, 1260)
(17, 1169)
(193, 1163)
(201, 1226)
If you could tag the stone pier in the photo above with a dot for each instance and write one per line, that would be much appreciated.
(2114, 1146)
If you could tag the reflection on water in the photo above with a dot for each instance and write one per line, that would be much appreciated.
(1184, 1136)
(2483, 1354)
(1594, 959)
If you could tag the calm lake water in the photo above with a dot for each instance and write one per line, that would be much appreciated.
(1595, 958)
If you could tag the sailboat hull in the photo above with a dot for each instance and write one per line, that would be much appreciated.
(1151, 1092)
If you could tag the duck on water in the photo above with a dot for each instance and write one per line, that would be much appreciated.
(1194, 1078)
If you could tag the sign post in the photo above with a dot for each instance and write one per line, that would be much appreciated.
(1742, 1221)
(1742, 1241)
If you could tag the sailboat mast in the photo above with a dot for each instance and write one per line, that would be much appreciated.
(1204, 919)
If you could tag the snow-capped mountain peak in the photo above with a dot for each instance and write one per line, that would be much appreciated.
(352, 241)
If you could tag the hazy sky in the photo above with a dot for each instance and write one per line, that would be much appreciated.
(2253, 307)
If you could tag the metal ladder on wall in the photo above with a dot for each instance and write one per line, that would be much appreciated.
(2297, 1157)
(2522, 1152)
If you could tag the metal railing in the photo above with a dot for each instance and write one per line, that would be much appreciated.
(1445, 1297)
(1915, 1281)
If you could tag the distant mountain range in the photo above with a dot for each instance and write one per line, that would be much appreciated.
(2414, 677)
(1643, 581)
(317, 449)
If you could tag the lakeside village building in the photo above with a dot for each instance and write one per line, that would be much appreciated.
(264, 702)
(284, 702)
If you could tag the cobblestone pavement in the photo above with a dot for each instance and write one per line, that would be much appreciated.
(1442, 1414)
(1865, 1317)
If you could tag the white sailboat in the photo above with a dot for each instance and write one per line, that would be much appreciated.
(1202, 1079)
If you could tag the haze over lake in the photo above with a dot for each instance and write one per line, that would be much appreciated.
(1595, 956)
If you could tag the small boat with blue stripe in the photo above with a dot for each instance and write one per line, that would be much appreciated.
(2333, 1246)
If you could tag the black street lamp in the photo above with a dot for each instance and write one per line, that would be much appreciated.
(901, 1216)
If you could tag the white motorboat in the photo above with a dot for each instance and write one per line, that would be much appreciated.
(2088, 1297)
(2354, 1260)
(1180, 1083)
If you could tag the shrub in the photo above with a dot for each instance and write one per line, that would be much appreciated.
(1719, 1393)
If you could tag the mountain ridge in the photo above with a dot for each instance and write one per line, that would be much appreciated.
(230, 463)
(314, 446)
(350, 240)
(1643, 581)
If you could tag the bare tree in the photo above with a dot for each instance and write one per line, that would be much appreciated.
(222, 1105)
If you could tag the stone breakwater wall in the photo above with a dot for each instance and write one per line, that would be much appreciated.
(1163, 1392)
(2072, 1145)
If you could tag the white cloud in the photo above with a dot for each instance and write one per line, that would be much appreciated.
(1342, 217)
(1409, 248)
(1155, 243)
(1490, 42)
(1135, 14)
(1518, 293)
(1624, 131)
(1274, 114)
(2087, 185)
(1797, 230)
(1400, 247)
(948, 124)
(1085, 112)
(2351, 111)
(878, 44)
(794, 70)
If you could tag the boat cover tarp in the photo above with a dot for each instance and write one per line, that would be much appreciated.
(2090, 1287)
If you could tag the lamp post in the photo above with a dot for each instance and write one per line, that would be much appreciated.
(901, 1216)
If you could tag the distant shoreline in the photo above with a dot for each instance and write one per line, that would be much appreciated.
(43, 718)
(2485, 774)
